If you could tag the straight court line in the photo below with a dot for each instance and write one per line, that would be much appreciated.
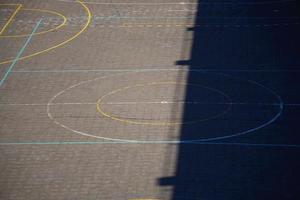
(19, 53)
(150, 102)
(150, 142)
(177, 3)
(11, 17)
(155, 69)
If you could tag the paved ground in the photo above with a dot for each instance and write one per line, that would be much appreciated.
(161, 100)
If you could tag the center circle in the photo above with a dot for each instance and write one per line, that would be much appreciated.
(134, 104)
(250, 108)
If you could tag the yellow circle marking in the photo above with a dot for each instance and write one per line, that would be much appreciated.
(159, 123)
(41, 32)
(89, 15)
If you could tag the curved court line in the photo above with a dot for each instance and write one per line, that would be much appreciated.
(158, 122)
(89, 14)
(280, 105)
(41, 32)
(274, 118)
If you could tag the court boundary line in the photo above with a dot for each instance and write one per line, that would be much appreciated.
(20, 52)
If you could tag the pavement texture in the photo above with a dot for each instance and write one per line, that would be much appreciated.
(149, 100)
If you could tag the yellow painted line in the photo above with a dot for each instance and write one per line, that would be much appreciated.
(11, 18)
(150, 26)
(132, 25)
(157, 23)
(159, 122)
(89, 14)
(132, 3)
(143, 199)
(41, 32)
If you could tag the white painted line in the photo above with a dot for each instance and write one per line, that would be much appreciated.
(44, 104)
(150, 142)
(133, 3)
(150, 102)
(178, 3)
(182, 10)
(200, 69)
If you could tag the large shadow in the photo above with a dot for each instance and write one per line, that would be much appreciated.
(241, 71)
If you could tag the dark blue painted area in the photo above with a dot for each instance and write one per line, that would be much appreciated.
(263, 40)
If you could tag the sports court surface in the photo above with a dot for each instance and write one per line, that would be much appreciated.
(149, 100)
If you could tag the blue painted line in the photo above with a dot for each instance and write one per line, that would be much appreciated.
(19, 53)
(150, 142)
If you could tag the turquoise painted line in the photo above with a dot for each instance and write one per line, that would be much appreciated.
(150, 142)
(8, 71)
